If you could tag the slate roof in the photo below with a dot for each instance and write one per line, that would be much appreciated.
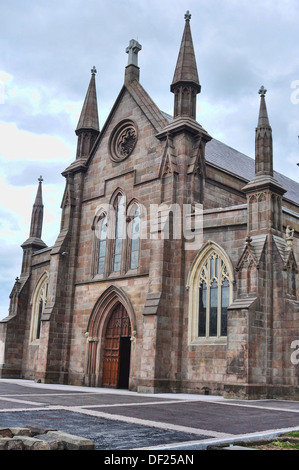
(241, 165)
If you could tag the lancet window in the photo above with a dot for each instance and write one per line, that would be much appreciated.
(102, 246)
(117, 237)
(39, 300)
(119, 232)
(135, 238)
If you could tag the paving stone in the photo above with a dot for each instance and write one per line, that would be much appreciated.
(21, 432)
(6, 432)
(34, 430)
(7, 443)
(29, 443)
(72, 442)
(3, 443)
(48, 442)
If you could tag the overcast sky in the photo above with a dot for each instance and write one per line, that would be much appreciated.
(47, 48)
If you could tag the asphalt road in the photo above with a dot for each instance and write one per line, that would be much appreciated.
(123, 420)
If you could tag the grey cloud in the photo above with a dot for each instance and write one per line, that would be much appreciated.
(10, 264)
(47, 124)
(20, 173)
(8, 220)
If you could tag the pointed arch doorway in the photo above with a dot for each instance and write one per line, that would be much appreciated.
(117, 349)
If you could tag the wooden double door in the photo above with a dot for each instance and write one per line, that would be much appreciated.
(117, 349)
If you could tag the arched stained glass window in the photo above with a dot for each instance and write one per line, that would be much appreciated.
(135, 239)
(213, 298)
(119, 232)
(210, 294)
(117, 238)
(102, 246)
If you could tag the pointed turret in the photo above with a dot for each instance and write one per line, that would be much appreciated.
(88, 125)
(37, 213)
(34, 242)
(264, 192)
(185, 84)
(263, 140)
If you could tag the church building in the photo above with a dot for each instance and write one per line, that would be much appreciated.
(175, 268)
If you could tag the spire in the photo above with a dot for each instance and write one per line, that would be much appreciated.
(34, 242)
(185, 84)
(264, 192)
(89, 115)
(88, 125)
(186, 68)
(37, 213)
(263, 140)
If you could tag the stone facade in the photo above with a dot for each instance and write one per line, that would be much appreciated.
(219, 315)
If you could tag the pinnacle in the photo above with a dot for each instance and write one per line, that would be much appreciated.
(37, 213)
(186, 68)
(263, 140)
(263, 120)
(39, 198)
(89, 115)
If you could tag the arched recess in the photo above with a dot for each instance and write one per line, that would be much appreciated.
(99, 227)
(112, 300)
(38, 302)
(210, 284)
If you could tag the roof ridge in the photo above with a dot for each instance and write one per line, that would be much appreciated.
(147, 104)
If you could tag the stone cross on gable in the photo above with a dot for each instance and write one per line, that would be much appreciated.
(133, 48)
(187, 15)
(262, 91)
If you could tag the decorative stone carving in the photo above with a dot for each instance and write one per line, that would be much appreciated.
(123, 141)
(289, 236)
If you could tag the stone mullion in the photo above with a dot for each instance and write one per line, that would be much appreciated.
(208, 300)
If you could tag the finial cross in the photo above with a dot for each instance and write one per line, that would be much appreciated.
(93, 70)
(187, 15)
(133, 48)
(40, 179)
(262, 91)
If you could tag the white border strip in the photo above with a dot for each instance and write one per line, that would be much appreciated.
(146, 422)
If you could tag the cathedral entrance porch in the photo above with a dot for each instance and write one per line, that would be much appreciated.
(110, 349)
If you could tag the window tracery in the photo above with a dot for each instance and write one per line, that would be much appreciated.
(116, 237)
(210, 294)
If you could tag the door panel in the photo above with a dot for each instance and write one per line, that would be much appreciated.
(115, 362)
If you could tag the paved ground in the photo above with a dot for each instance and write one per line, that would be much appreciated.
(123, 420)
